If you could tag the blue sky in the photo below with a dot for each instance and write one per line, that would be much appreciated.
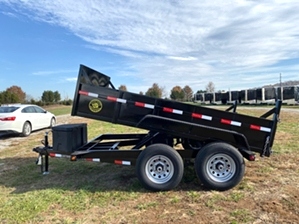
(236, 44)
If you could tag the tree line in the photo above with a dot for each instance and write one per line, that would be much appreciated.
(177, 93)
(15, 94)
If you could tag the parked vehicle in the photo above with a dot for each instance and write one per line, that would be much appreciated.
(215, 141)
(24, 118)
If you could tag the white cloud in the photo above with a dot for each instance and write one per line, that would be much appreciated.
(54, 72)
(182, 58)
(9, 14)
(232, 43)
(71, 79)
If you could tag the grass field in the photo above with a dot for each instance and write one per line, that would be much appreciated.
(59, 110)
(85, 192)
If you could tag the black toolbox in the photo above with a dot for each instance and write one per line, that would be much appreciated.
(69, 137)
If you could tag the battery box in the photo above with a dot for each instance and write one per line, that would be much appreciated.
(67, 138)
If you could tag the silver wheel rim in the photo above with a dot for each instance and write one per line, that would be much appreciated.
(159, 169)
(27, 129)
(221, 168)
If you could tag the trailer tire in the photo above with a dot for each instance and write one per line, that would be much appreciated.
(159, 167)
(219, 166)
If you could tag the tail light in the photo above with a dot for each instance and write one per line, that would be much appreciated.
(7, 118)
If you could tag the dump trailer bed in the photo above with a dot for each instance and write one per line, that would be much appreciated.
(96, 98)
(215, 141)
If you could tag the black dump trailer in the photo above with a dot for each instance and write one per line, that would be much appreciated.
(216, 141)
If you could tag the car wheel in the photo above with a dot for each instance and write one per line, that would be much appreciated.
(26, 131)
(52, 122)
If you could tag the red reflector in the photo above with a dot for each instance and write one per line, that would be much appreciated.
(254, 127)
(168, 110)
(139, 104)
(224, 121)
(251, 157)
(83, 93)
(112, 98)
(197, 115)
(52, 154)
(118, 162)
(7, 118)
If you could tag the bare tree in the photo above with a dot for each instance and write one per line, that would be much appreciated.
(164, 92)
(210, 88)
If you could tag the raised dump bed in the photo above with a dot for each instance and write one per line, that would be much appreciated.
(217, 141)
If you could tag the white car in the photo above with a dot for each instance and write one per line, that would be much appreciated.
(24, 118)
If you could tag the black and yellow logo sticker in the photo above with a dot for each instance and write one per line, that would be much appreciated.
(95, 106)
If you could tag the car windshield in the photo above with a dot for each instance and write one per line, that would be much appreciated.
(8, 109)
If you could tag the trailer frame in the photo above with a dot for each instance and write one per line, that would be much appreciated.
(216, 141)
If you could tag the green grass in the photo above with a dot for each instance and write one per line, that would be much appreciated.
(59, 110)
(99, 127)
(86, 192)
(241, 215)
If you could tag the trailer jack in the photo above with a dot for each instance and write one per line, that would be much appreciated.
(43, 155)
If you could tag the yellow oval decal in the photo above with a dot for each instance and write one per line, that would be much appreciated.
(95, 106)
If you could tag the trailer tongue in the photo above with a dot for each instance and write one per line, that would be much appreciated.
(217, 141)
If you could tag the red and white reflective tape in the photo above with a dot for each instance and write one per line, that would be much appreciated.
(58, 155)
(168, 110)
(174, 111)
(115, 99)
(140, 104)
(93, 159)
(121, 162)
(260, 128)
(88, 94)
(234, 123)
(201, 116)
